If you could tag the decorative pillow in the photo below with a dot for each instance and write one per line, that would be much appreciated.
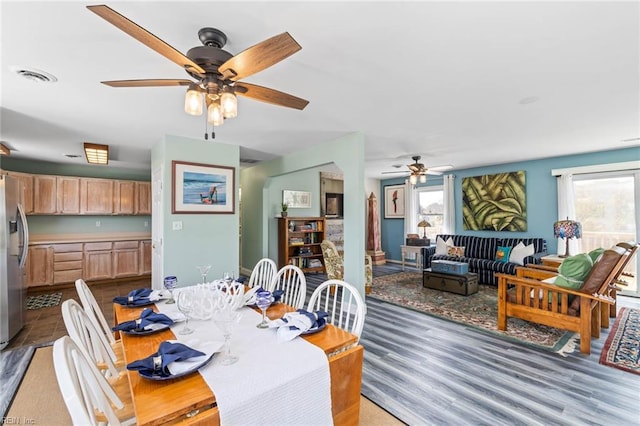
(595, 254)
(519, 252)
(502, 254)
(457, 251)
(573, 271)
(442, 247)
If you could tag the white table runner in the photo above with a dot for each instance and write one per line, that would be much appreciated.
(272, 383)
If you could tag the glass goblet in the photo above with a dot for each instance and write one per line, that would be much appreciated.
(263, 301)
(228, 277)
(185, 303)
(170, 283)
(204, 270)
(226, 320)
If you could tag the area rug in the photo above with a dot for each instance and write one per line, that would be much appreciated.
(43, 301)
(479, 310)
(622, 348)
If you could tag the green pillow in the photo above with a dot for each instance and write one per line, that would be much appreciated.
(573, 271)
(595, 254)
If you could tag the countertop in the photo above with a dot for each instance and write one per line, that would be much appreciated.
(36, 239)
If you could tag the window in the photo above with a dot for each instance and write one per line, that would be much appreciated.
(430, 207)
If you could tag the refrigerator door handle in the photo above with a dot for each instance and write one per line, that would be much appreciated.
(25, 233)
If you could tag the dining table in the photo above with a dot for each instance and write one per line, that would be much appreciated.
(190, 400)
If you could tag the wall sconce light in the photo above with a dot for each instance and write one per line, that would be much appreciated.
(96, 153)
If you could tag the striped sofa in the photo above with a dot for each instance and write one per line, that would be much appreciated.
(480, 253)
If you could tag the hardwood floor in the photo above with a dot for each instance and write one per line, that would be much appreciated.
(428, 371)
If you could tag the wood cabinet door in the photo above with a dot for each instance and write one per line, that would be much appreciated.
(126, 258)
(27, 190)
(45, 195)
(143, 198)
(124, 192)
(40, 266)
(145, 257)
(68, 194)
(96, 196)
(98, 265)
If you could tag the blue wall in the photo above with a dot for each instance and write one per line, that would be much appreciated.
(542, 196)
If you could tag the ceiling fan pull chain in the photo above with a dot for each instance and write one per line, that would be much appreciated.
(206, 130)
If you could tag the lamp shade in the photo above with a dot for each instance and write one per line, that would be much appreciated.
(424, 224)
(567, 229)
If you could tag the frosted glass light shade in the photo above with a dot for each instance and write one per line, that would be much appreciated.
(229, 105)
(413, 179)
(193, 101)
(214, 114)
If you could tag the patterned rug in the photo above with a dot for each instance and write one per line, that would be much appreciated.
(43, 301)
(478, 310)
(622, 348)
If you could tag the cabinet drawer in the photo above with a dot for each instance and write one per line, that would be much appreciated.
(97, 246)
(66, 266)
(67, 276)
(125, 245)
(65, 248)
(65, 257)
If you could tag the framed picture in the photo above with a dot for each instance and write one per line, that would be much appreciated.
(296, 199)
(394, 202)
(202, 188)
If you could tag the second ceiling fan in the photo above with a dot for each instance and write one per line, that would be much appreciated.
(216, 71)
(418, 171)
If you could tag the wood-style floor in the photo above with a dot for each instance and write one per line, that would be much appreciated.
(428, 371)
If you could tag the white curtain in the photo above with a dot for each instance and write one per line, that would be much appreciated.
(449, 206)
(567, 210)
(410, 210)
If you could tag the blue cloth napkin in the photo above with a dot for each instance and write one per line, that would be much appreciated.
(168, 352)
(134, 298)
(147, 317)
(277, 294)
(317, 318)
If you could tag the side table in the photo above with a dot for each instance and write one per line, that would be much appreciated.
(552, 260)
(417, 250)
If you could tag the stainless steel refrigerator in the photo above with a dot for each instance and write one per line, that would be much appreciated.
(14, 243)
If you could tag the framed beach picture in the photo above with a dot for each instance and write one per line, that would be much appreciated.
(202, 188)
(394, 202)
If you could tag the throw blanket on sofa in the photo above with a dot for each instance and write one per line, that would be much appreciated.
(480, 254)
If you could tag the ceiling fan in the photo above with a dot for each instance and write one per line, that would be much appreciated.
(216, 71)
(418, 171)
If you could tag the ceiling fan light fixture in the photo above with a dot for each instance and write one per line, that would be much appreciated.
(96, 153)
(413, 179)
(193, 100)
(423, 178)
(229, 103)
(214, 114)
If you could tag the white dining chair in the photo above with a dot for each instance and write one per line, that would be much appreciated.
(91, 307)
(90, 340)
(342, 302)
(263, 273)
(89, 397)
(292, 281)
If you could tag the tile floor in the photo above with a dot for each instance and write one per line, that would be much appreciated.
(45, 325)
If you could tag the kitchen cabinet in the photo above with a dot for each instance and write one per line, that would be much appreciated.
(68, 193)
(27, 190)
(45, 194)
(67, 262)
(143, 198)
(146, 253)
(98, 261)
(124, 197)
(40, 265)
(126, 258)
(96, 196)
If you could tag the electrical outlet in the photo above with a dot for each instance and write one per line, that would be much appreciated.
(97, 224)
(177, 225)
(146, 223)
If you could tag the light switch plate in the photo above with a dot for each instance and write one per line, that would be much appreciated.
(177, 225)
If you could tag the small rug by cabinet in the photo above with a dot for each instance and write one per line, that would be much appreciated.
(43, 301)
(479, 310)
(622, 347)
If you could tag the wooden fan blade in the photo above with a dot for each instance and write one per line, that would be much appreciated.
(271, 96)
(259, 57)
(147, 83)
(399, 171)
(145, 37)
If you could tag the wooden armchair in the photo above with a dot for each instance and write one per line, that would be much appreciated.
(334, 264)
(527, 297)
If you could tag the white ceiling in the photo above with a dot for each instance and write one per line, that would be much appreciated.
(465, 84)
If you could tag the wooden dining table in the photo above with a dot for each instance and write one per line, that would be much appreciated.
(190, 401)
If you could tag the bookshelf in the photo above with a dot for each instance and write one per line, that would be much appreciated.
(299, 241)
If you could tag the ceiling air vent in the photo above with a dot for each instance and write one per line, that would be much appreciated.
(36, 75)
(249, 161)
